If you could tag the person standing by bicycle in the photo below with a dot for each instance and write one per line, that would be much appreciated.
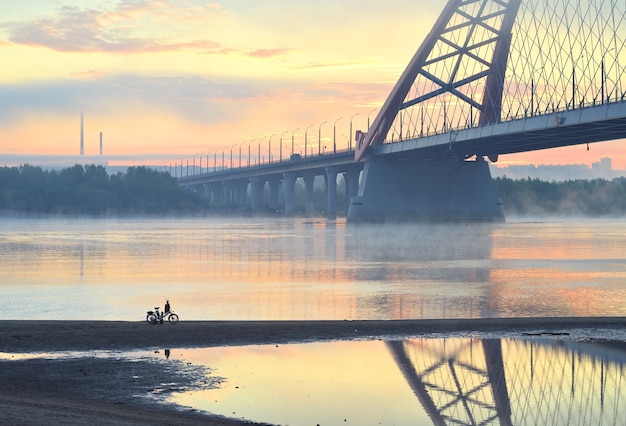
(166, 310)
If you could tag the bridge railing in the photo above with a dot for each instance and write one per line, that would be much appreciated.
(546, 111)
(183, 169)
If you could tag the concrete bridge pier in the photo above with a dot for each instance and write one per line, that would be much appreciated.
(256, 195)
(308, 194)
(205, 191)
(274, 191)
(240, 189)
(445, 190)
(331, 192)
(346, 193)
(351, 179)
(225, 194)
(219, 194)
(213, 193)
(290, 192)
(230, 194)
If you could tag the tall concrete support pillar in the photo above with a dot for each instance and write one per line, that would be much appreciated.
(346, 194)
(351, 179)
(212, 196)
(225, 194)
(218, 194)
(353, 182)
(331, 192)
(242, 194)
(290, 192)
(308, 194)
(256, 196)
(274, 188)
(446, 190)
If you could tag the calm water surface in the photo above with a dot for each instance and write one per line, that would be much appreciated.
(482, 380)
(416, 382)
(234, 268)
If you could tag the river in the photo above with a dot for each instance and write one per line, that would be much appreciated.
(284, 268)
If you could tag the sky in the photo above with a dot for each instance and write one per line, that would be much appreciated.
(172, 79)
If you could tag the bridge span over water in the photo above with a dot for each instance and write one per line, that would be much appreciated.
(491, 78)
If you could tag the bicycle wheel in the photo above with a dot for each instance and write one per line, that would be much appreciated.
(151, 319)
(173, 319)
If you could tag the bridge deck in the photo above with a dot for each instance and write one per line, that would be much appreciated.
(562, 128)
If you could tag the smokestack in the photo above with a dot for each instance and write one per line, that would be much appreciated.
(82, 140)
(100, 143)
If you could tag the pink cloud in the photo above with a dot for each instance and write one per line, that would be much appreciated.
(268, 53)
(91, 30)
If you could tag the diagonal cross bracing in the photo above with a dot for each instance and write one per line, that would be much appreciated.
(469, 43)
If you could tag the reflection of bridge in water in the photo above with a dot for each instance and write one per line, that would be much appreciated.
(515, 382)
(491, 78)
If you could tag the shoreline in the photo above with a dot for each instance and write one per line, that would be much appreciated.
(108, 391)
(39, 336)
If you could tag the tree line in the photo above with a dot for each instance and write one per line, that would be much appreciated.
(587, 198)
(90, 190)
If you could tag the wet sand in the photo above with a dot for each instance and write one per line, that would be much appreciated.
(97, 391)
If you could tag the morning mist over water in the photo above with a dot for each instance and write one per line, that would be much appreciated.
(283, 268)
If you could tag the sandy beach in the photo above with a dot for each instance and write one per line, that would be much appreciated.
(95, 390)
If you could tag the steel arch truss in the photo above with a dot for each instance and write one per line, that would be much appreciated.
(458, 71)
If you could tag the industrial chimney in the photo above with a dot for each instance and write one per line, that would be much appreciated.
(82, 140)
(100, 143)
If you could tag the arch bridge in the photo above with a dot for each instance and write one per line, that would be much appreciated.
(493, 77)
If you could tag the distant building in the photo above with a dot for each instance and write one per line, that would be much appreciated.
(603, 169)
(600, 170)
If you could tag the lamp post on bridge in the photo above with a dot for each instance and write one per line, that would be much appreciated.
(335, 135)
(368, 118)
(240, 153)
(231, 156)
(208, 164)
(269, 148)
(305, 139)
(319, 138)
(293, 133)
(350, 140)
(249, 143)
(207, 161)
(280, 159)
(174, 168)
(603, 74)
(258, 160)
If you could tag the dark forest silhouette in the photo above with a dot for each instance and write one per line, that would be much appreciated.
(90, 190)
(572, 198)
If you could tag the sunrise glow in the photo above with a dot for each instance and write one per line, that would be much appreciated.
(170, 79)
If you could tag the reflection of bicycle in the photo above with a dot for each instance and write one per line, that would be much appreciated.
(155, 316)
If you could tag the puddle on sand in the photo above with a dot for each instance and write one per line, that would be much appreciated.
(537, 380)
